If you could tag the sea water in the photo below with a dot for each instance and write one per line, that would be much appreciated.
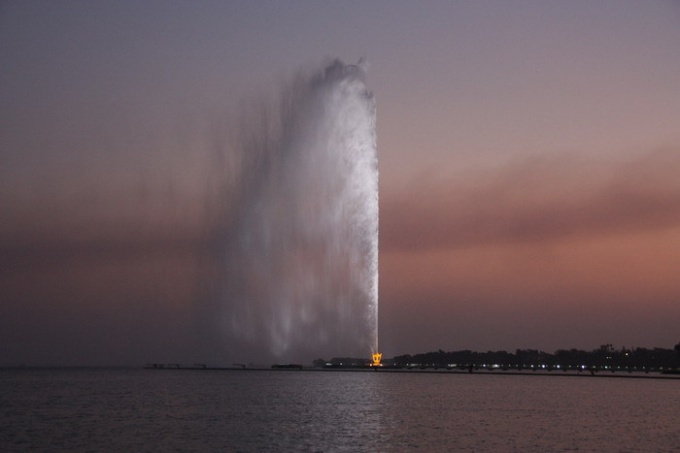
(181, 410)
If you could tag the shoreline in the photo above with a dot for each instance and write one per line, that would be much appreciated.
(559, 373)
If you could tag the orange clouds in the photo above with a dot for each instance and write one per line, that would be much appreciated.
(624, 266)
(541, 199)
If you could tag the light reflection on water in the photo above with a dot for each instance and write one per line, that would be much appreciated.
(542, 413)
(146, 410)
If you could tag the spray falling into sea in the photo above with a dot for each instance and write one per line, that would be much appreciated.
(299, 273)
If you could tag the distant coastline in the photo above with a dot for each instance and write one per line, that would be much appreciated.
(477, 372)
(603, 361)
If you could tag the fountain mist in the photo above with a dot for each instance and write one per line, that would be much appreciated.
(299, 276)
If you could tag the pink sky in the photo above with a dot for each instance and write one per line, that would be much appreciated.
(529, 162)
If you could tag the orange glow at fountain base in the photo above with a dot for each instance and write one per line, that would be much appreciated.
(377, 358)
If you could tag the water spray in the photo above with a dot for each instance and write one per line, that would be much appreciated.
(300, 261)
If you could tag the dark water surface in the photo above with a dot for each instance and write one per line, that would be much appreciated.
(154, 410)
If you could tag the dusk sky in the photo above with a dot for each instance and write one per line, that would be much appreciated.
(529, 156)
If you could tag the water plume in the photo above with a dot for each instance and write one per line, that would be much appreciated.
(298, 276)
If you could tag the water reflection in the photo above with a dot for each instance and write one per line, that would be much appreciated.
(310, 411)
(135, 410)
(512, 413)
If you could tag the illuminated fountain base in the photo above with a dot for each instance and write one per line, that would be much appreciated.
(377, 358)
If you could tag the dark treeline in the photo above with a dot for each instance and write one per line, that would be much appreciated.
(606, 357)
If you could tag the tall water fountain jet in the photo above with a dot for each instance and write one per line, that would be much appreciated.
(299, 274)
